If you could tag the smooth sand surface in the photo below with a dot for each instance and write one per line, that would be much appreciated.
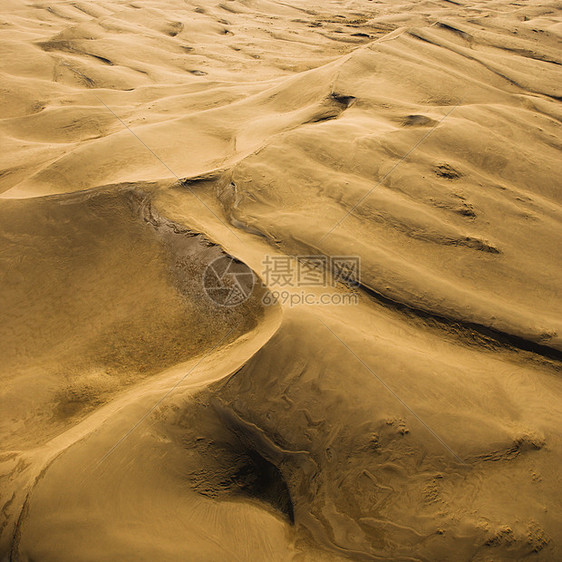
(141, 140)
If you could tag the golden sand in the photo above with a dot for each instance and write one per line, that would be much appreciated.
(147, 414)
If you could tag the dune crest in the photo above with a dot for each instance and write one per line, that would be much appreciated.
(163, 398)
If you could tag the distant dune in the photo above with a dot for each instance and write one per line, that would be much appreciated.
(163, 397)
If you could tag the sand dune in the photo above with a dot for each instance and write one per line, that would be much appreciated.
(145, 420)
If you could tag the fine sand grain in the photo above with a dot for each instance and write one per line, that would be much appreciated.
(143, 420)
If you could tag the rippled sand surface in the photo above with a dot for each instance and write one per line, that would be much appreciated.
(415, 415)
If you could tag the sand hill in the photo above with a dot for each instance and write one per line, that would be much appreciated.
(144, 418)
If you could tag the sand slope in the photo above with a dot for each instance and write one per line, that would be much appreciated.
(141, 140)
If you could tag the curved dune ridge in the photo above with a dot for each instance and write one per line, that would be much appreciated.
(145, 140)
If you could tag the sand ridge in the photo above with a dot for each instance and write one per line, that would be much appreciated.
(142, 140)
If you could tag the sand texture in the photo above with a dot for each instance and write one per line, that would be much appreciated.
(144, 420)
